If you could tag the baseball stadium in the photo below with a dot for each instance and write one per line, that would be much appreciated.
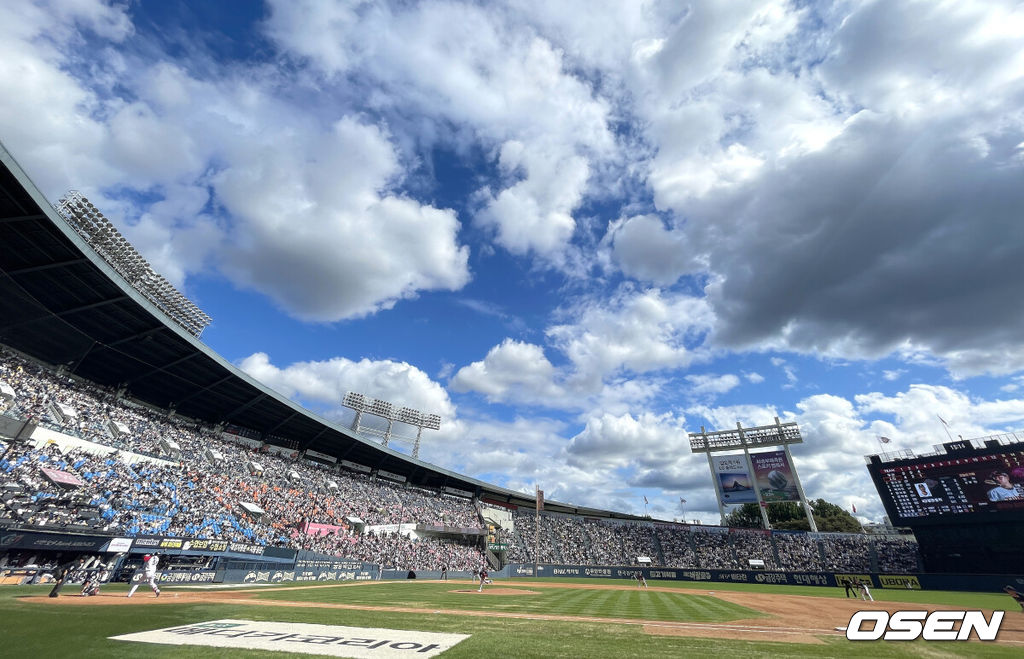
(134, 456)
(453, 328)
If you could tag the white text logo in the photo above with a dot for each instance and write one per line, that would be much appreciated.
(934, 626)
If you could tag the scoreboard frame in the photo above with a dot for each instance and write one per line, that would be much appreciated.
(950, 487)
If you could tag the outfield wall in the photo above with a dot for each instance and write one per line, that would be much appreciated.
(904, 581)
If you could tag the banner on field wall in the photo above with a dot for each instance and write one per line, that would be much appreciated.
(733, 479)
(675, 574)
(774, 476)
(991, 583)
(900, 581)
(853, 579)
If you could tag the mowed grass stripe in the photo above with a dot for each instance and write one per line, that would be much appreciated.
(599, 603)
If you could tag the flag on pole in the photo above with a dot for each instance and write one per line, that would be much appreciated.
(943, 421)
(855, 508)
(884, 440)
(682, 500)
(645, 500)
(540, 499)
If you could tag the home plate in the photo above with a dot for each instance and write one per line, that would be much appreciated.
(330, 640)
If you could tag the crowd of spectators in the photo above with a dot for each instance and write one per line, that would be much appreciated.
(574, 540)
(199, 482)
(195, 483)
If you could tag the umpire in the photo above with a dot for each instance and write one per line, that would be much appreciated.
(64, 572)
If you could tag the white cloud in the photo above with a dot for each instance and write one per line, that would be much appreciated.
(608, 347)
(711, 384)
(754, 378)
(503, 85)
(247, 179)
(302, 212)
(624, 441)
(635, 331)
(321, 385)
(511, 370)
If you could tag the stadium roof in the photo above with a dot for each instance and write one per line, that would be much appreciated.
(62, 304)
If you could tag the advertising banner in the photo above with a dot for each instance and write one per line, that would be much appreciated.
(177, 576)
(774, 477)
(733, 481)
(61, 477)
(316, 528)
(901, 581)
(271, 636)
(52, 541)
(683, 574)
(204, 545)
(118, 545)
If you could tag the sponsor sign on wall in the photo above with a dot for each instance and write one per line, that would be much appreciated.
(901, 581)
(52, 541)
(732, 479)
(177, 576)
(774, 477)
(328, 640)
(118, 545)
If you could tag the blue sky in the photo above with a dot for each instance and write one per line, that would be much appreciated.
(575, 230)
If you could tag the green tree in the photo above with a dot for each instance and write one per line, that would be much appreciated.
(834, 519)
(789, 516)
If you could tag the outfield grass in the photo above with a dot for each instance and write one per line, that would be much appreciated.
(994, 601)
(45, 630)
(636, 604)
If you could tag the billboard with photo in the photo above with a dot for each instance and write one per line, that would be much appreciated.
(774, 476)
(733, 479)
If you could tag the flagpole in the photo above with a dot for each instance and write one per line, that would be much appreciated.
(946, 426)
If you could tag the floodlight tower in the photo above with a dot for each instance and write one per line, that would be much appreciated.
(104, 239)
(385, 410)
(778, 434)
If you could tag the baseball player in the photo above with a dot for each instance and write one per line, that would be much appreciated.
(483, 580)
(149, 566)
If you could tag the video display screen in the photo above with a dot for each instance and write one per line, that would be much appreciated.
(940, 488)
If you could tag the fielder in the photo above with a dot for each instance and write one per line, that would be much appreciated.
(149, 566)
(483, 580)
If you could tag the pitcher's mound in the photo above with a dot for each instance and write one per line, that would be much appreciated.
(498, 591)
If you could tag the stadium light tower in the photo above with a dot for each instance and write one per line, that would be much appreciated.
(104, 238)
(768, 474)
(385, 410)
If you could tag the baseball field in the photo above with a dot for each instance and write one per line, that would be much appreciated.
(517, 618)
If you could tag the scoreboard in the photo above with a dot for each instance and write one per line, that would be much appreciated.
(964, 484)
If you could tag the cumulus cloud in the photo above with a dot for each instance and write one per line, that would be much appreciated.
(512, 369)
(503, 85)
(711, 384)
(634, 332)
(321, 385)
(840, 207)
(645, 250)
(612, 353)
(247, 180)
(316, 234)
(627, 441)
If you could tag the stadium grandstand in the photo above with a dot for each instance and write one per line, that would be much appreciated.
(118, 424)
